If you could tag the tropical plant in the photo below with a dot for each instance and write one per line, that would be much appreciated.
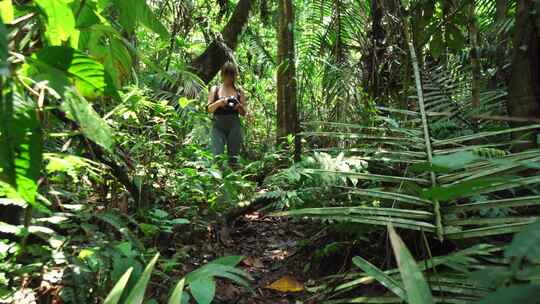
(419, 116)
(201, 282)
(457, 278)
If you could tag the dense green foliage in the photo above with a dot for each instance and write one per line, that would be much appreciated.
(108, 188)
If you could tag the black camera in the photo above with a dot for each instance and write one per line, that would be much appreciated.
(232, 102)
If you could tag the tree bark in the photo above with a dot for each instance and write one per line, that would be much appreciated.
(174, 32)
(141, 195)
(264, 12)
(501, 10)
(475, 61)
(524, 86)
(207, 65)
(377, 50)
(501, 75)
(287, 116)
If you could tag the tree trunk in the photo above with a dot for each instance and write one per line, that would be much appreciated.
(287, 116)
(264, 12)
(501, 10)
(499, 59)
(210, 61)
(141, 194)
(475, 61)
(524, 86)
(174, 32)
(377, 50)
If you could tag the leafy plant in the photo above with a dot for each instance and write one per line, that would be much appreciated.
(201, 282)
(517, 284)
(160, 222)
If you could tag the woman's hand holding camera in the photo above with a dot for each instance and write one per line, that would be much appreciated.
(229, 102)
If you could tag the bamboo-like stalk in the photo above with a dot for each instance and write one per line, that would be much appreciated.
(427, 138)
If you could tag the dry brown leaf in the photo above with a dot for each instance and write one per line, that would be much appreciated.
(286, 284)
(253, 262)
(257, 263)
(248, 261)
(228, 291)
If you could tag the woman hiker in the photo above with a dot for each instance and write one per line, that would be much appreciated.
(227, 102)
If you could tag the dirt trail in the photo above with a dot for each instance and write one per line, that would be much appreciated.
(271, 247)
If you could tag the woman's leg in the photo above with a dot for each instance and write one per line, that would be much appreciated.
(218, 141)
(234, 140)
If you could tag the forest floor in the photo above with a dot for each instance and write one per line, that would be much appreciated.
(273, 258)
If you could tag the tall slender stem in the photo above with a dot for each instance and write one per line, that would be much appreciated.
(427, 138)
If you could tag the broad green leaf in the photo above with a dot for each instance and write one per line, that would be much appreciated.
(87, 15)
(186, 298)
(27, 186)
(526, 243)
(176, 296)
(454, 37)
(69, 164)
(184, 102)
(179, 221)
(203, 290)
(136, 296)
(219, 270)
(380, 276)
(28, 156)
(513, 294)
(437, 46)
(6, 11)
(159, 213)
(63, 65)
(133, 12)
(149, 20)
(149, 229)
(120, 226)
(117, 61)
(126, 249)
(222, 267)
(418, 291)
(60, 21)
(8, 135)
(456, 160)
(427, 167)
(20, 144)
(461, 189)
(118, 289)
(128, 13)
(492, 276)
(106, 45)
(231, 260)
(120, 264)
(93, 126)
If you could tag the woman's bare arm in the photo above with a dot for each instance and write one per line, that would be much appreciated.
(241, 107)
(213, 105)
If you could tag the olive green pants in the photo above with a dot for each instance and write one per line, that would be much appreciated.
(226, 130)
